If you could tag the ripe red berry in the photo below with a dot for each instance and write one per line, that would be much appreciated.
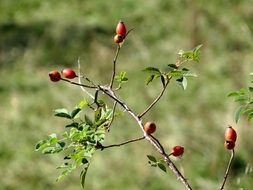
(121, 29)
(229, 145)
(149, 127)
(230, 134)
(54, 75)
(118, 39)
(68, 73)
(177, 151)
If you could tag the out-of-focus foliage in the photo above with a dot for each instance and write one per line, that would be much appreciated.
(37, 36)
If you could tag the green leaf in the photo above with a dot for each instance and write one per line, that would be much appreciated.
(74, 125)
(151, 158)
(121, 77)
(242, 99)
(48, 150)
(251, 89)
(232, 94)
(172, 67)
(82, 104)
(152, 70)
(163, 80)
(61, 144)
(75, 112)
(176, 73)
(162, 167)
(238, 113)
(189, 74)
(41, 144)
(63, 174)
(150, 79)
(83, 175)
(62, 113)
(98, 114)
(182, 82)
(250, 116)
(251, 74)
(84, 161)
(88, 120)
(100, 122)
(53, 138)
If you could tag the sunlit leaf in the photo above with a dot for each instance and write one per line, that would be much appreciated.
(82, 104)
(98, 114)
(41, 144)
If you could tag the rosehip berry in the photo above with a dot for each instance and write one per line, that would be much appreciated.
(230, 134)
(177, 151)
(149, 127)
(118, 39)
(229, 145)
(68, 73)
(121, 29)
(54, 75)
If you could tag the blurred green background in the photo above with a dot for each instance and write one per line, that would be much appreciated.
(37, 36)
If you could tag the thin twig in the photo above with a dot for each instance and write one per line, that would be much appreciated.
(102, 147)
(114, 66)
(228, 168)
(113, 116)
(75, 83)
(156, 100)
(79, 80)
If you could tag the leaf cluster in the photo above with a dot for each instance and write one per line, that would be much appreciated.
(244, 98)
(80, 139)
(175, 70)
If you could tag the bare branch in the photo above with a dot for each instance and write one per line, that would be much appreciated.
(114, 66)
(75, 83)
(228, 168)
(102, 147)
(79, 80)
(156, 100)
(113, 116)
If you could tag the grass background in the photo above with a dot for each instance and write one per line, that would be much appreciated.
(37, 36)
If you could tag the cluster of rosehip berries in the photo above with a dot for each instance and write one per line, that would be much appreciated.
(68, 73)
(120, 32)
(150, 127)
(230, 138)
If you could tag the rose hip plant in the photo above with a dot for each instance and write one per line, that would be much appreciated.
(89, 122)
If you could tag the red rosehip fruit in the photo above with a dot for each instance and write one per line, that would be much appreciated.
(121, 29)
(54, 75)
(230, 134)
(150, 127)
(118, 39)
(68, 73)
(177, 151)
(229, 145)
